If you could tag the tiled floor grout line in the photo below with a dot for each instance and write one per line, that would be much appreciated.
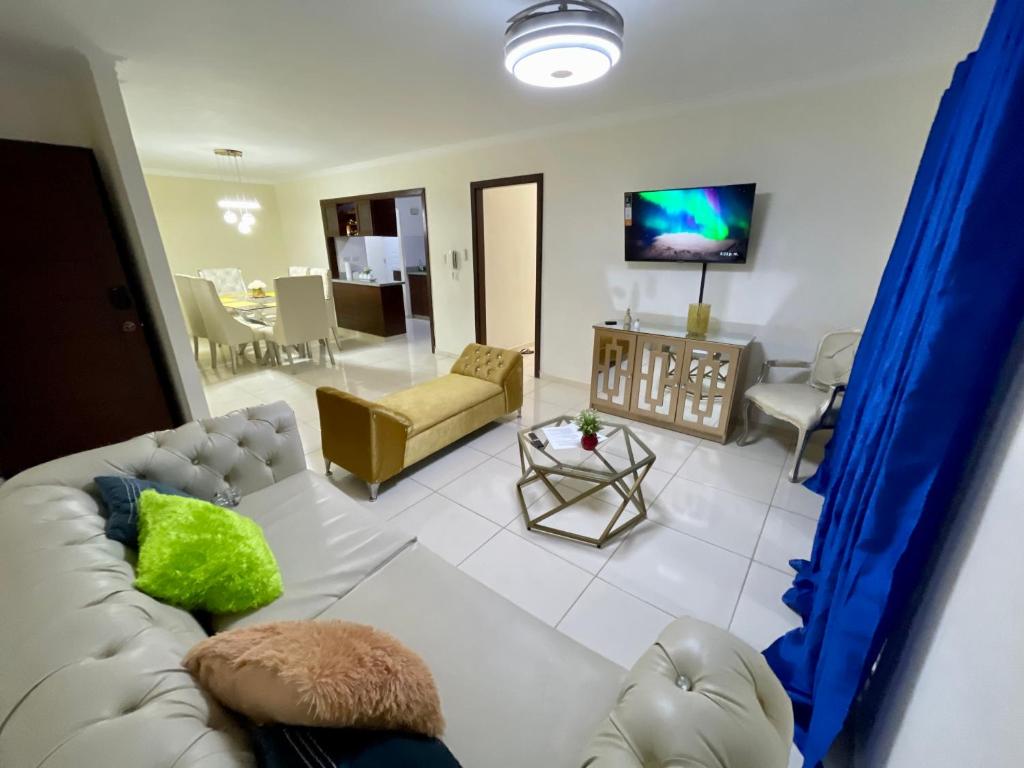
(477, 549)
(739, 595)
(794, 512)
(750, 563)
(726, 490)
(638, 598)
(788, 574)
(572, 605)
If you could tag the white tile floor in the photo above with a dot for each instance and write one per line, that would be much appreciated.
(722, 527)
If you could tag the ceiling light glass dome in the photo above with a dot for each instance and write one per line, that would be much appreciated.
(560, 44)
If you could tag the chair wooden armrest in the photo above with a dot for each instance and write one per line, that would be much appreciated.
(769, 364)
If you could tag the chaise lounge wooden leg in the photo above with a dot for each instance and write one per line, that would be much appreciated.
(373, 488)
(327, 466)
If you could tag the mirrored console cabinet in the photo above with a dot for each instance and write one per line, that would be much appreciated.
(667, 378)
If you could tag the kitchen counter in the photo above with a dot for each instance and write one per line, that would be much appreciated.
(377, 308)
(371, 283)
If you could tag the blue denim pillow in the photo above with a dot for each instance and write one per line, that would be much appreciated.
(120, 495)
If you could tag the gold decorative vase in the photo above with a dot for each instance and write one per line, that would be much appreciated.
(697, 319)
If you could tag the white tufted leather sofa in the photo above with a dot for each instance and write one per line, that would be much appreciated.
(90, 672)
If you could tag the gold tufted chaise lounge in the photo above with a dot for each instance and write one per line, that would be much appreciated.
(376, 441)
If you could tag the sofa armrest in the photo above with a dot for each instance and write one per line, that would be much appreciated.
(699, 697)
(363, 437)
(503, 367)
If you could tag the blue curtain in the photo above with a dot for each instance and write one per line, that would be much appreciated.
(949, 303)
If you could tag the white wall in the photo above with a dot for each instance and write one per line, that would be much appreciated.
(956, 699)
(409, 211)
(351, 250)
(381, 254)
(73, 98)
(510, 274)
(195, 235)
(384, 257)
(833, 166)
(43, 98)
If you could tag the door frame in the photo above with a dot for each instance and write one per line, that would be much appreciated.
(332, 256)
(476, 197)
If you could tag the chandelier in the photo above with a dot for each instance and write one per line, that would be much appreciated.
(238, 209)
(559, 44)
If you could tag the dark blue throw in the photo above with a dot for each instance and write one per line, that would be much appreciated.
(292, 746)
(948, 306)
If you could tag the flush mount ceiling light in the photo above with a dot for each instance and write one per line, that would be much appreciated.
(237, 208)
(561, 44)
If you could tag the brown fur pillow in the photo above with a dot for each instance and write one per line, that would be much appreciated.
(319, 673)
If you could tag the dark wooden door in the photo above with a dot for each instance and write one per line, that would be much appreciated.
(81, 369)
(419, 294)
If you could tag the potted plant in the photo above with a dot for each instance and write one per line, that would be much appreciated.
(589, 425)
(258, 289)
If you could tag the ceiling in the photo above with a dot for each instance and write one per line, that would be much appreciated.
(305, 85)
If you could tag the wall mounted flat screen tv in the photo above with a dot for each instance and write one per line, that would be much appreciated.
(702, 224)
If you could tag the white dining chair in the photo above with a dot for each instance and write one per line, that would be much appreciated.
(808, 405)
(332, 313)
(190, 309)
(298, 271)
(221, 326)
(301, 318)
(226, 279)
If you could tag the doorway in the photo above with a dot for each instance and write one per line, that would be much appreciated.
(379, 240)
(508, 222)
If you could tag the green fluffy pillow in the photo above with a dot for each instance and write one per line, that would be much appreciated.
(199, 556)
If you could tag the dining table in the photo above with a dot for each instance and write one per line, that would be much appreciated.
(257, 309)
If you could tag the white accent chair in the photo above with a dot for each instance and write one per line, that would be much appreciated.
(301, 318)
(808, 405)
(221, 326)
(190, 309)
(226, 279)
(298, 271)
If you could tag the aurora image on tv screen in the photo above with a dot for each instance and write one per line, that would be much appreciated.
(703, 224)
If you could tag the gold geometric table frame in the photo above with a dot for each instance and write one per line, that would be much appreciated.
(627, 482)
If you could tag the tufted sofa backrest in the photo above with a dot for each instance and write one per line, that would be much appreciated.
(90, 668)
(503, 367)
(248, 449)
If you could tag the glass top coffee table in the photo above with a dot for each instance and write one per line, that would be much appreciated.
(618, 464)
